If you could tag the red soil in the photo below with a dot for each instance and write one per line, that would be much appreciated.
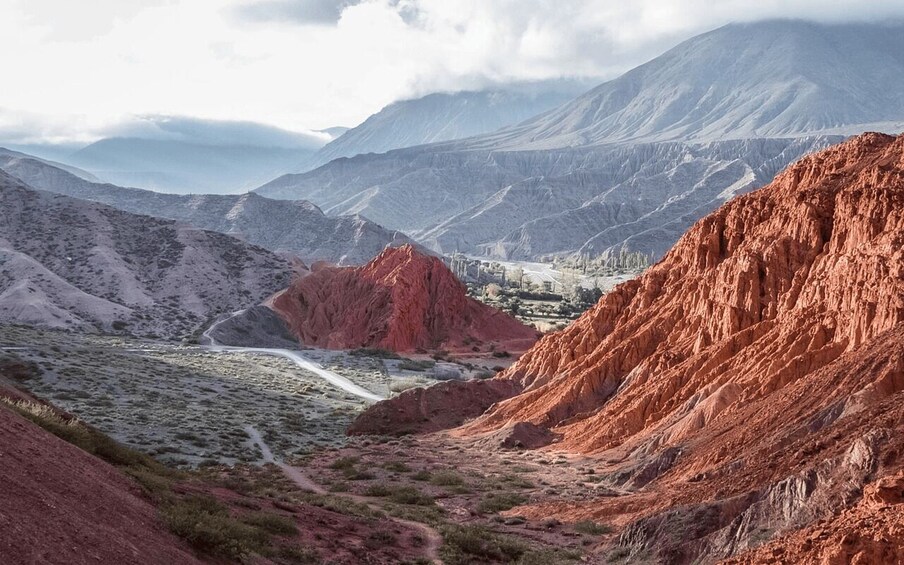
(402, 300)
(439, 407)
(60, 505)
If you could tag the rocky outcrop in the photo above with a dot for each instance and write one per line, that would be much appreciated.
(439, 407)
(748, 385)
(401, 301)
(870, 532)
(766, 290)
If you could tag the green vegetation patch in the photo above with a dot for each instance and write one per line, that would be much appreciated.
(499, 502)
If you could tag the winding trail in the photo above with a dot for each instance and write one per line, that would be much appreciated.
(432, 537)
(334, 379)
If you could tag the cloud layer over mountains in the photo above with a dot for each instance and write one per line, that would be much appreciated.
(311, 64)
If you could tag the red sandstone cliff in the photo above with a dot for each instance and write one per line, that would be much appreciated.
(748, 385)
(402, 300)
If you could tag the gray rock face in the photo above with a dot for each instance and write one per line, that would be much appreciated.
(530, 204)
(298, 228)
(443, 117)
(72, 264)
(632, 163)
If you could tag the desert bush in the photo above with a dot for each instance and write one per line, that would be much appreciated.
(397, 466)
(411, 496)
(341, 505)
(469, 544)
(401, 385)
(415, 365)
(207, 526)
(378, 490)
(345, 463)
(499, 502)
(374, 352)
(271, 523)
(446, 479)
(592, 528)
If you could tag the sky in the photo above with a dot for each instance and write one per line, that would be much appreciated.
(76, 71)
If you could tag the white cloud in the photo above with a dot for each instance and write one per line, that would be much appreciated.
(73, 68)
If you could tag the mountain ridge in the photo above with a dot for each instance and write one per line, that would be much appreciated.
(298, 228)
(635, 133)
(74, 264)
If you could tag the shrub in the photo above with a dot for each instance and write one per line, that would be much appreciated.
(446, 479)
(414, 365)
(493, 503)
(470, 544)
(397, 466)
(271, 523)
(341, 505)
(592, 528)
(374, 352)
(345, 463)
(401, 385)
(410, 495)
(207, 526)
(377, 490)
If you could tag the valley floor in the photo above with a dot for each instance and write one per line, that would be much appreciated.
(188, 405)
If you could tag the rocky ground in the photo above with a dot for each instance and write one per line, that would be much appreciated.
(469, 493)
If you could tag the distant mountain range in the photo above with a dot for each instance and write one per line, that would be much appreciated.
(634, 162)
(186, 155)
(72, 264)
(448, 116)
(296, 228)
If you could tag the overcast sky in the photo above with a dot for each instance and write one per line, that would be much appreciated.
(74, 70)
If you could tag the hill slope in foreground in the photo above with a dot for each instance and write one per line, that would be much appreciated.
(748, 386)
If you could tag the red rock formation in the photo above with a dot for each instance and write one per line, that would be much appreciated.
(751, 383)
(439, 407)
(871, 532)
(401, 300)
(769, 288)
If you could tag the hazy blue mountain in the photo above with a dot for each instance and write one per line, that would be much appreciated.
(184, 155)
(448, 116)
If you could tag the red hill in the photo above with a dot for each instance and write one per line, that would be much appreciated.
(402, 300)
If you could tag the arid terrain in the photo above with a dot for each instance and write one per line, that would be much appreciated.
(482, 282)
